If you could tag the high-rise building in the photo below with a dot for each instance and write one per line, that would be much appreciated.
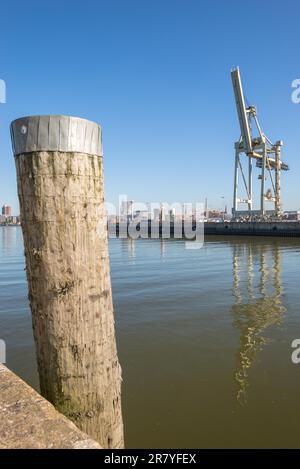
(162, 214)
(6, 210)
(127, 209)
(156, 214)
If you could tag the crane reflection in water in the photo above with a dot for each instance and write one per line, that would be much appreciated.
(257, 292)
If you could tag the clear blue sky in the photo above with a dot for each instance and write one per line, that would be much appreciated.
(156, 75)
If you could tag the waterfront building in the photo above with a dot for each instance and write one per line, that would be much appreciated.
(6, 210)
(292, 215)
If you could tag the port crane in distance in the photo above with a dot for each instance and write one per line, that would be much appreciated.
(257, 148)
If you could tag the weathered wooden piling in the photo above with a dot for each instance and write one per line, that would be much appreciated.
(60, 186)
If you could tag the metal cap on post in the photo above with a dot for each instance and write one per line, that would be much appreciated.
(56, 133)
(60, 186)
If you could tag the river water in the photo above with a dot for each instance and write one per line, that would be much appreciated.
(204, 338)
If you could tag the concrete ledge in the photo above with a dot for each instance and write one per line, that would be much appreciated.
(27, 420)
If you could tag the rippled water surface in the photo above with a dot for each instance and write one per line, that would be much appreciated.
(204, 338)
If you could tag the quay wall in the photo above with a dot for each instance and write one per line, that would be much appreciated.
(283, 229)
(278, 228)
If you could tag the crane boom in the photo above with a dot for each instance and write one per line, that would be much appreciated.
(241, 109)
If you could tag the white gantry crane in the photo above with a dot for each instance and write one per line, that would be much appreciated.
(259, 148)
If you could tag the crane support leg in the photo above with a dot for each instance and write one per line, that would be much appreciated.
(263, 179)
(277, 180)
(236, 175)
(250, 198)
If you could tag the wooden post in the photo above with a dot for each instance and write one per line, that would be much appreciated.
(60, 186)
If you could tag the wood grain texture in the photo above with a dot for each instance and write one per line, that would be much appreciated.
(67, 263)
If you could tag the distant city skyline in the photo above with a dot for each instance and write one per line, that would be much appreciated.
(159, 85)
(7, 217)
